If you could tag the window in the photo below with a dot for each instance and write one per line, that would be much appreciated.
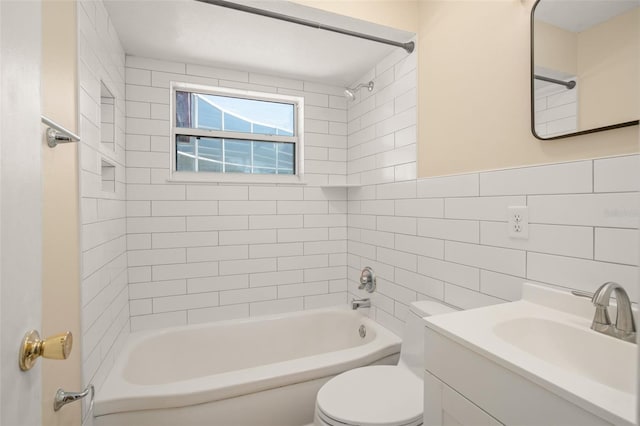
(228, 134)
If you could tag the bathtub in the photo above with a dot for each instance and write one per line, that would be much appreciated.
(256, 371)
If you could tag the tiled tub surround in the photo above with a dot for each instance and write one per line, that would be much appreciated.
(105, 300)
(446, 237)
(206, 252)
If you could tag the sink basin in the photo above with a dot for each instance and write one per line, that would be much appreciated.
(546, 338)
(579, 350)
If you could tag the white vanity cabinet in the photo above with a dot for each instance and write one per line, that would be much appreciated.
(446, 407)
(463, 387)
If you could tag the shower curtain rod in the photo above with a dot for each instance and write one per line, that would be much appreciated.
(409, 46)
(568, 84)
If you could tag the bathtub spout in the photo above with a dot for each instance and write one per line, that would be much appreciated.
(360, 303)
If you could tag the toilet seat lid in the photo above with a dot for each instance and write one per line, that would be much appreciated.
(373, 396)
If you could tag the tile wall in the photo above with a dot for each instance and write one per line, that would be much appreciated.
(105, 299)
(446, 238)
(206, 252)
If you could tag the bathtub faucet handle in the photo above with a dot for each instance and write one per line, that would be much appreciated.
(367, 280)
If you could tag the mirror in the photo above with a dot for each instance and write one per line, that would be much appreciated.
(585, 66)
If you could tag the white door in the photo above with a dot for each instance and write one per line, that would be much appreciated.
(20, 207)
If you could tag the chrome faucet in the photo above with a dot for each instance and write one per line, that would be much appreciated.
(360, 303)
(625, 326)
(367, 280)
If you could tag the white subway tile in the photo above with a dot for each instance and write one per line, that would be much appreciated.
(139, 274)
(276, 250)
(276, 306)
(140, 307)
(322, 220)
(138, 76)
(398, 259)
(449, 186)
(321, 274)
(301, 235)
(211, 192)
(218, 313)
(566, 178)
(206, 254)
(325, 300)
(145, 290)
(247, 207)
(378, 238)
(302, 262)
(186, 301)
(303, 207)
(605, 210)
(378, 207)
(496, 259)
(502, 286)
(155, 192)
(154, 321)
(141, 225)
(450, 229)
(416, 207)
(450, 272)
(184, 239)
(618, 174)
(186, 270)
(575, 241)
(400, 225)
(232, 267)
(137, 110)
(419, 245)
(420, 283)
(258, 236)
(156, 257)
(395, 292)
(249, 295)
(136, 175)
(306, 289)
(322, 247)
(208, 284)
(275, 221)
(481, 208)
(158, 95)
(183, 208)
(617, 245)
(214, 223)
(394, 191)
(580, 274)
(269, 193)
(138, 241)
(266, 279)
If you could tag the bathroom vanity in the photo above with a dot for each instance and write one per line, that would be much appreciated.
(531, 362)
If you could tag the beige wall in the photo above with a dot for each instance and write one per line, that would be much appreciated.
(609, 86)
(61, 268)
(556, 49)
(474, 106)
(474, 87)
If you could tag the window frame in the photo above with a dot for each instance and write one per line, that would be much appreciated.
(297, 139)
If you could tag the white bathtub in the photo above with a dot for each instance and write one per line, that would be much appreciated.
(256, 371)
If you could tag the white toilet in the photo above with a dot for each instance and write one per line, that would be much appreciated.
(382, 394)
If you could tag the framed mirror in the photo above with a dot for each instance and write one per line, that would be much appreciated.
(585, 66)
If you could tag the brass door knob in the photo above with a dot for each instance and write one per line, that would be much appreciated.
(54, 347)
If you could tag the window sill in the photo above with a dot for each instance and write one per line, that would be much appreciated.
(186, 177)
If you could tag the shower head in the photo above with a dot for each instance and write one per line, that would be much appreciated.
(350, 92)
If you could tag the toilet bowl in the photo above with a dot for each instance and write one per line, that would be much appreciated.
(382, 395)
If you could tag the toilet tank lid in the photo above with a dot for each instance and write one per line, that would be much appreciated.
(427, 308)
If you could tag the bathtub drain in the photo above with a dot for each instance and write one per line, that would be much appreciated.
(363, 331)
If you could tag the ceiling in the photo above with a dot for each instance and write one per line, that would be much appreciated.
(579, 15)
(194, 32)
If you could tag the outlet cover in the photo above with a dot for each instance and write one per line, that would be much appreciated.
(518, 222)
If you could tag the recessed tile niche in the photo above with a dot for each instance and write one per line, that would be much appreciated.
(107, 118)
(108, 174)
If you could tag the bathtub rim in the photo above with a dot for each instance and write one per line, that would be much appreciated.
(119, 395)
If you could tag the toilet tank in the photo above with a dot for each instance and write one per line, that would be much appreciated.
(412, 350)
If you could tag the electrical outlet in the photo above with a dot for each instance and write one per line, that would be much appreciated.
(518, 222)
